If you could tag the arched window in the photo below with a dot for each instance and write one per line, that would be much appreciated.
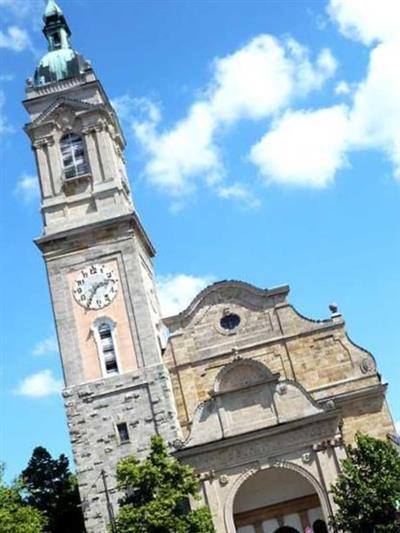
(104, 333)
(73, 155)
(56, 38)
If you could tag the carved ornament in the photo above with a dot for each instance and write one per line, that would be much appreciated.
(64, 119)
(306, 457)
(367, 366)
(43, 142)
(281, 388)
(208, 476)
(223, 480)
(330, 404)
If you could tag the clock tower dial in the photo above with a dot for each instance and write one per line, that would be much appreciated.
(95, 287)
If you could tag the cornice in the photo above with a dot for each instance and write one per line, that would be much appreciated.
(252, 436)
(132, 220)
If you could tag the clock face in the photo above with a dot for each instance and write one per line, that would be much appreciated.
(95, 287)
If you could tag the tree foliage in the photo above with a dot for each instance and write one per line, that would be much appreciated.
(156, 495)
(15, 515)
(52, 489)
(368, 489)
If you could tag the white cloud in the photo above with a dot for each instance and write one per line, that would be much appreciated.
(261, 77)
(175, 292)
(397, 426)
(43, 383)
(342, 88)
(181, 154)
(27, 188)
(15, 38)
(46, 346)
(307, 148)
(264, 80)
(255, 82)
(21, 8)
(130, 108)
(367, 20)
(375, 117)
(304, 147)
(4, 125)
(241, 194)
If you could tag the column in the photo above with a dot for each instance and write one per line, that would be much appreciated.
(43, 167)
(105, 156)
(93, 154)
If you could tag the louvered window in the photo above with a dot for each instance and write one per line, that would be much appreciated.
(108, 349)
(73, 156)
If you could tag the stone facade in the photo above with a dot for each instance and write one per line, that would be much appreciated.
(244, 384)
(318, 355)
(270, 390)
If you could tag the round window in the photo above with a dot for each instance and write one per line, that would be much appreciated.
(230, 321)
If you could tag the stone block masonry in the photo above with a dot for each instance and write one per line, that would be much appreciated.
(94, 410)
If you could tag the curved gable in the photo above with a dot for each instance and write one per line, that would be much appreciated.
(228, 292)
(231, 319)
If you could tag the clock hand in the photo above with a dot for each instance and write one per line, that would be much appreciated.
(97, 286)
(94, 289)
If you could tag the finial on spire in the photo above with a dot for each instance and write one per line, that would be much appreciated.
(51, 9)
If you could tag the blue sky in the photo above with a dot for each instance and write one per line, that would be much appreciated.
(263, 145)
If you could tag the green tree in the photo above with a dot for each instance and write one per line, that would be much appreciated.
(156, 495)
(15, 515)
(52, 489)
(368, 489)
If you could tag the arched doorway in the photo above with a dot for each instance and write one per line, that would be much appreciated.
(277, 500)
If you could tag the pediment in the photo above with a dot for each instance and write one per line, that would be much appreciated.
(248, 397)
(64, 104)
(228, 292)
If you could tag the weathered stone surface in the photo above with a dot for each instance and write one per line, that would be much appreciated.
(316, 354)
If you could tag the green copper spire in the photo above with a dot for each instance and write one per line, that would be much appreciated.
(55, 29)
(61, 61)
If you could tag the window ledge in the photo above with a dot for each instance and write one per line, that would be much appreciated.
(69, 183)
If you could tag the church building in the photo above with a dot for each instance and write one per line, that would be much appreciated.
(259, 399)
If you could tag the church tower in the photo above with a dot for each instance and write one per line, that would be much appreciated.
(99, 263)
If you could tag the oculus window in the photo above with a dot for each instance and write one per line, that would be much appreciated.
(230, 321)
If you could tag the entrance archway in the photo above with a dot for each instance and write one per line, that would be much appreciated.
(277, 500)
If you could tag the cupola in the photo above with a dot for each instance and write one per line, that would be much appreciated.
(61, 61)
